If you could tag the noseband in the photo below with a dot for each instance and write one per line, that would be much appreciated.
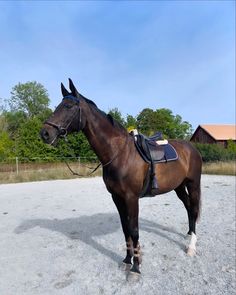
(64, 130)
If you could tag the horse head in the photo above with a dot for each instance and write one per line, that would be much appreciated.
(67, 116)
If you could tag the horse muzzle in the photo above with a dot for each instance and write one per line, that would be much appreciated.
(49, 136)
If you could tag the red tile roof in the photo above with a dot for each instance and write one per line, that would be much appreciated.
(221, 132)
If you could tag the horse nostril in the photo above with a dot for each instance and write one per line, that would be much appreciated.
(44, 134)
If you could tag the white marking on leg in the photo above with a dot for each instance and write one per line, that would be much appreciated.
(191, 251)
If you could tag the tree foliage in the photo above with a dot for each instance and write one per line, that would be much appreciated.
(116, 114)
(131, 122)
(216, 152)
(75, 146)
(20, 126)
(13, 121)
(31, 98)
(28, 142)
(149, 121)
(6, 146)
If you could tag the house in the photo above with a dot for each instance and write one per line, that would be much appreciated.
(219, 134)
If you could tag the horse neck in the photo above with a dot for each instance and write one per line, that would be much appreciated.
(104, 138)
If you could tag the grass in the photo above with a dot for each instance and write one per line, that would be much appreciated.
(50, 171)
(220, 168)
(47, 171)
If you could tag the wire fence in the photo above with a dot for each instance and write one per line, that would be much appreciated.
(18, 165)
(38, 168)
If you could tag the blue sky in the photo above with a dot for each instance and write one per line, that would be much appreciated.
(127, 54)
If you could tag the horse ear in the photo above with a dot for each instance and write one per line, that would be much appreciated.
(64, 91)
(73, 89)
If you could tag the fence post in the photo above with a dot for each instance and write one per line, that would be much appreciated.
(17, 166)
(79, 161)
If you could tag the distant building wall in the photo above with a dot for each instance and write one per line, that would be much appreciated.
(202, 136)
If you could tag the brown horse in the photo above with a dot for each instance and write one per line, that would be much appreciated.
(124, 170)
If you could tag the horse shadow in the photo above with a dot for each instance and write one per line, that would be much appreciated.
(87, 227)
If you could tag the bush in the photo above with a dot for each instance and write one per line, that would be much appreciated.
(216, 152)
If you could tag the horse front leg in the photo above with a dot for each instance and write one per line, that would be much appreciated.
(121, 207)
(133, 211)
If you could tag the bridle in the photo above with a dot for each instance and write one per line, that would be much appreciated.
(63, 131)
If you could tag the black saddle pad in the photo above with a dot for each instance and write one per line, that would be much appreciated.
(151, 151)
(170, 153)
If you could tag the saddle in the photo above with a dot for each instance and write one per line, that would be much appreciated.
(153, 150)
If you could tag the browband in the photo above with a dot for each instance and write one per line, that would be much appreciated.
(71, 97)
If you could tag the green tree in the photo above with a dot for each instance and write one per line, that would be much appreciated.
(116, 114)
(75, 146)
(2, 104)
(28, 142)
(13, 121)
(146, 121)
(231, 149)
(3, 122)
(231, 146)
(31, 98)
(131, 122)
(182, 129)
(6, 146)
(150, 121)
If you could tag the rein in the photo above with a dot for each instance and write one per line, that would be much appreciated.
(82, 175)
(100, 164)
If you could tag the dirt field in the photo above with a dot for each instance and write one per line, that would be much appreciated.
(64, 237)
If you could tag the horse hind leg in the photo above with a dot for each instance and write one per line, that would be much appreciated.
(194, 192)
(184, 197)
(191, 201)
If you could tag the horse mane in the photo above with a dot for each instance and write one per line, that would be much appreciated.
(89, 101)
(109, 117)
(115, 123)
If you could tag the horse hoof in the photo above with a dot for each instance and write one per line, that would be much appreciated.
(135, 270)
(127, 260)
(191, 252)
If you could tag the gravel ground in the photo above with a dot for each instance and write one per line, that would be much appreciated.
(64, 237)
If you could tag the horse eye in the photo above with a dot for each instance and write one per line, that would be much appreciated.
(68, 106)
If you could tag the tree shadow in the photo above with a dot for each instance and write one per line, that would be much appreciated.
(86, 228)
